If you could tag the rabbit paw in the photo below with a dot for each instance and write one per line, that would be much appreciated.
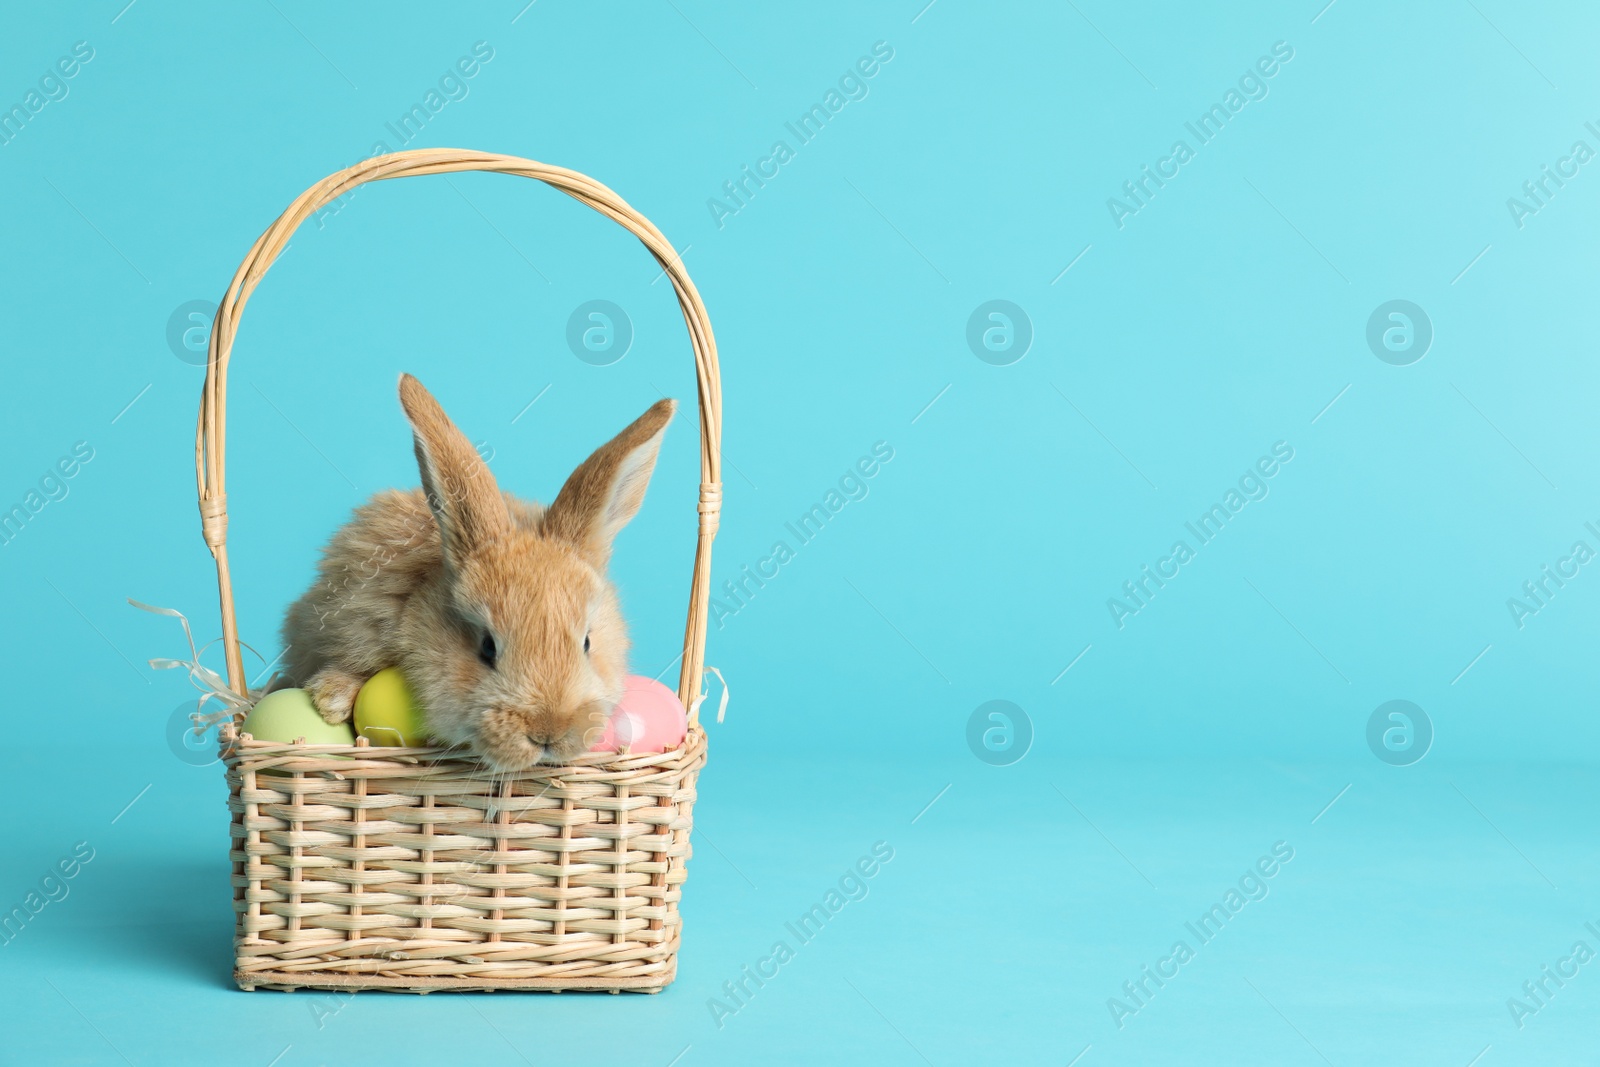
(334, 693)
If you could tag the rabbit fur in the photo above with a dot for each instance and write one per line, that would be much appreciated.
(498, 611)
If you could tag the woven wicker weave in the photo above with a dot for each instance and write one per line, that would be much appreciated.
(358, 867)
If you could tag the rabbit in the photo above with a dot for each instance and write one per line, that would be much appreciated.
(498, 611)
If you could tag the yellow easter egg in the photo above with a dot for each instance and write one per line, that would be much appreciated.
(288, 714)
(387, 712)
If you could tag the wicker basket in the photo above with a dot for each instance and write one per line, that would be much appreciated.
(357, 867)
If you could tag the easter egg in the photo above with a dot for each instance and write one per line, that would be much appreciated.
(387, 712)
(288, 714)
(649, 718)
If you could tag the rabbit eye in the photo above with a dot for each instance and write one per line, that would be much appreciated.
(486, 650)
(585, 644)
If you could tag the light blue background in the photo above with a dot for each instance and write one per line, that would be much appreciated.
(1225, 316)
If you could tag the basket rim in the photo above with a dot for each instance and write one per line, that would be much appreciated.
(248, 753)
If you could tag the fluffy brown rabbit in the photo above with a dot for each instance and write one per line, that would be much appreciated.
(498, 611)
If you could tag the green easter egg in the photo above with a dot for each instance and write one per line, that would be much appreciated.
(387, 712)
(288, 714)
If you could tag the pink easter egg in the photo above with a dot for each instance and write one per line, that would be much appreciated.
(647, 719)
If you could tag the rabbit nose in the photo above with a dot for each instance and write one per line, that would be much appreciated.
(541, 738)
(535, 723)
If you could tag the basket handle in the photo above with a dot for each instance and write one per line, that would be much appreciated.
(210, 435)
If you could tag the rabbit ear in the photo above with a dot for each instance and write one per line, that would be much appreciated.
(466, 503)
(605, 492)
